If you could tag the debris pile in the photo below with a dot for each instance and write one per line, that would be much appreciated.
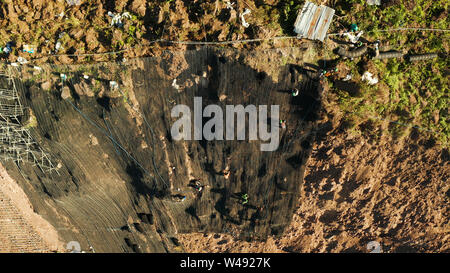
(244, 23)
(117, 18)
(367, 76)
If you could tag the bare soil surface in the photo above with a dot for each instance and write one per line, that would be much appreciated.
(358, 189)
(86, 28)
(21, 228)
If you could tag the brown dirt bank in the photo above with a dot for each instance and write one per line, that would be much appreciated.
(86, 28)
(21, 228)
(358, 189)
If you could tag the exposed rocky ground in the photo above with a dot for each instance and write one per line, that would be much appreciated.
(87, 28)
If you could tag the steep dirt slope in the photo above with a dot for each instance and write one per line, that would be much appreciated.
(115, 194)
(359, 189)
(391, 191)
(21, 229)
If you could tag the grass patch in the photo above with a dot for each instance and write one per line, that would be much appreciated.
(417, 92)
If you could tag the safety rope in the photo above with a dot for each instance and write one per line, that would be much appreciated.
(109, 136)
(228, 42)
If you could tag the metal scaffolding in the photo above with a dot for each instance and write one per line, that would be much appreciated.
(16, 142)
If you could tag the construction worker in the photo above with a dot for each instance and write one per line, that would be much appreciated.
(178, 198)
(196, 185)
(7, 49)
(328, 73)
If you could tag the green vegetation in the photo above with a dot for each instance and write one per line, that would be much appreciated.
(409, 94)
(288, 14)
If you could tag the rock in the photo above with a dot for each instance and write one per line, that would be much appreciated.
(83, 89)
(11, 12)
(138, 7)
(119, 5)
(100, 11)
(65, 94)
(79, 15)
(65, 59)
(46, 85)
(117, 36)
(91, 39)
(37, 15)
(93, 140)
(22, 27)
(77, 33)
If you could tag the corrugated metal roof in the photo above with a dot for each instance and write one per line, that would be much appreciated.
(313, 21)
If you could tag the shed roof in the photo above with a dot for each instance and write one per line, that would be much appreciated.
(313, 21)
